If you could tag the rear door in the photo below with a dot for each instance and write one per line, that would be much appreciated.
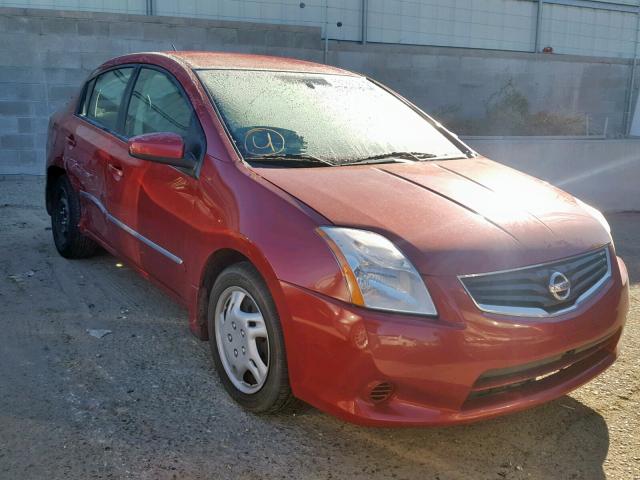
(156, 201)
(92, 139)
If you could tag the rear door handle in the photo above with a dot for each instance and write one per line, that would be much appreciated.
(115, 170)
(71, 140)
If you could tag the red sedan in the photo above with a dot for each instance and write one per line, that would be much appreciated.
(332, 241)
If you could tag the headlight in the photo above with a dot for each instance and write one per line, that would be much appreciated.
(377, 273)
(596, 214)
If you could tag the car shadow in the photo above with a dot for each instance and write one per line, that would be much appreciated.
(562, 439)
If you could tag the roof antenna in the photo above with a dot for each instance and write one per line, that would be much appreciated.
(174, 47)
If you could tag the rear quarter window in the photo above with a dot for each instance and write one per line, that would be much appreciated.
(83, 107)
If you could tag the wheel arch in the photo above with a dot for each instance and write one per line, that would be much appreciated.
(215, 263)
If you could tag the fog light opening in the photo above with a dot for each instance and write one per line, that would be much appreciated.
(380, 392)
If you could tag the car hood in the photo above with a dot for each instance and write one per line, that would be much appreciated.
(451, 217)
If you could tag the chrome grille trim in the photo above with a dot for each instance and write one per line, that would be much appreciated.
(537, 312)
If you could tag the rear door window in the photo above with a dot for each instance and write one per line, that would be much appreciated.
(106, 97)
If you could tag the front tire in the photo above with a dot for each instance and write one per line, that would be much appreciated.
(246, 341)
(65, 217)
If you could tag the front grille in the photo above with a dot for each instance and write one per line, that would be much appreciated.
(527, 290)
(517, 380)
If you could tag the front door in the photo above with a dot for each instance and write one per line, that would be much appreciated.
(152, 201)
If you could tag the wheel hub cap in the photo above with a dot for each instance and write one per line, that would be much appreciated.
(242, 340)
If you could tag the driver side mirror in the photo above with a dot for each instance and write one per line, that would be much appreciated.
(165, 147)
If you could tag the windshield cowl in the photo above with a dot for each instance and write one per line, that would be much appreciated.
(309, 161)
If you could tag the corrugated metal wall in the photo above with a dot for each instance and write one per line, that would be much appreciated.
(580, 27)
(494, 24)
(587, 31)
(112, 6)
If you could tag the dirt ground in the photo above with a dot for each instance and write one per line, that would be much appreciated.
(143, 402)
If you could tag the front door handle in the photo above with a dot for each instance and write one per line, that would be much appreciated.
(115, 170)
(71, 140)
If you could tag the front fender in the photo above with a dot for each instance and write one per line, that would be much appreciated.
(240, 211)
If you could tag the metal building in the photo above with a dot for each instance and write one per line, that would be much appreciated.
(579, 27)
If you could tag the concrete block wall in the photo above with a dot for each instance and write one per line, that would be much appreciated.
(45, 55)
(460, 86)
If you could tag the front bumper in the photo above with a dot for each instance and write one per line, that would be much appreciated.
(464, 366)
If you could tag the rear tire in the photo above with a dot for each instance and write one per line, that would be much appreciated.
(241, 311)
(65, 217)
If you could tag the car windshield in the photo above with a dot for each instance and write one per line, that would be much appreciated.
(320, 119)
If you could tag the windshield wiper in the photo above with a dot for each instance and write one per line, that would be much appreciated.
(290, 159)
(393, 157)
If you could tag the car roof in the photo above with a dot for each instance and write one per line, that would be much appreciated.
(226, 60)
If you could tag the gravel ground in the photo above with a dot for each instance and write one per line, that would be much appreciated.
(143, 402)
